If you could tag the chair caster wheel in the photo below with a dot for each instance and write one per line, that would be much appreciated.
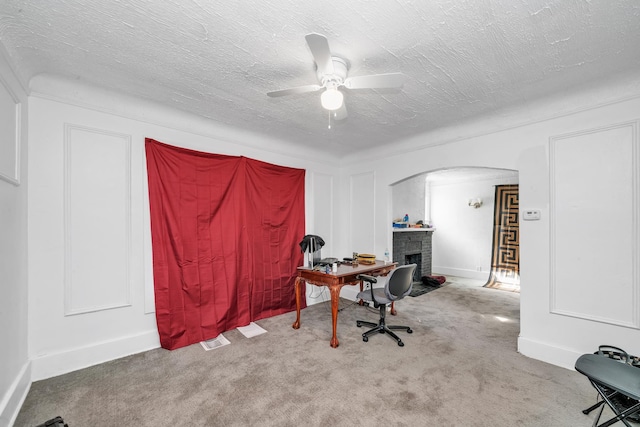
(400, 343)
(409, 331)
(358, 324)
(365, 339)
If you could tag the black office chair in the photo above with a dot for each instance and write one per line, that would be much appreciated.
(398, 286)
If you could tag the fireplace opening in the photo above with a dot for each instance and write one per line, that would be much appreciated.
(417, 260)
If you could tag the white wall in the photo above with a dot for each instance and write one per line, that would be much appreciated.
(462, 242)
(408, 198)
(14, 361)
(554, 328)
(90, 289)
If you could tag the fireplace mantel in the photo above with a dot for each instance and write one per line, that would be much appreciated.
(404, 230)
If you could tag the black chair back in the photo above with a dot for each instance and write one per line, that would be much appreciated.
(400, 282)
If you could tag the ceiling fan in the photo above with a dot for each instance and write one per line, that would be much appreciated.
(332, 72)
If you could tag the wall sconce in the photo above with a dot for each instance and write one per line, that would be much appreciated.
(475, 203)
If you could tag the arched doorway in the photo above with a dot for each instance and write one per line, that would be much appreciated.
(459, 203)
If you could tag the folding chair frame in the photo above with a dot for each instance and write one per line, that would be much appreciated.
(607, 394)
(606, 388)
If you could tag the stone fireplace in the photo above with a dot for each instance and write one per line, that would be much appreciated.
(413, 246)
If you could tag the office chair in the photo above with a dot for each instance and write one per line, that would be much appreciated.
(398, 286)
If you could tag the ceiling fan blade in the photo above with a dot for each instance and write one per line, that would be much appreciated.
(294, 90)
(319, 46)
(375, 81)
(340, 113)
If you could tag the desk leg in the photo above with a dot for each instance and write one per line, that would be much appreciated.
(335, 301)
(361, 302)
(393, 308)
(296, 324)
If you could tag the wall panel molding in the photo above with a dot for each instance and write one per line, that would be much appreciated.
(10, 134)
(592, 174)
(362, 212)
(97, 220)
(147, 256)
(322, 209)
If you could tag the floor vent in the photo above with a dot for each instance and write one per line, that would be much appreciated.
(217, 342)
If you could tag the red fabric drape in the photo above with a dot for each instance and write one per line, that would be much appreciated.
(225, 233)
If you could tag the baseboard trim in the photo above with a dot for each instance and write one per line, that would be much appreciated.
(460, 272)
(548, 353)
(15, 396)
(51, 365)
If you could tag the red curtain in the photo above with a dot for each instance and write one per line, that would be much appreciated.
(225, 233)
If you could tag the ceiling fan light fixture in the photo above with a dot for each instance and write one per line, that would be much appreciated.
(331, 99)
(332, 73)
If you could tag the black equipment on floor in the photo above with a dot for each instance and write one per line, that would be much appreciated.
(398, 286)
(54, 422)
(617, 382)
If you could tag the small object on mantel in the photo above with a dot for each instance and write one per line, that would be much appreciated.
(414, 229)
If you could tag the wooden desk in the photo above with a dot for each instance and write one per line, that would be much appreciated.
(346, 275)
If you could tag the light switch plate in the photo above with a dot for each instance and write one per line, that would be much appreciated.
(531, 215)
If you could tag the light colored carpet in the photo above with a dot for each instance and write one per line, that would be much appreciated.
(459, 368)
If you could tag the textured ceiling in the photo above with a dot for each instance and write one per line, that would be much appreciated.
(218, 59)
